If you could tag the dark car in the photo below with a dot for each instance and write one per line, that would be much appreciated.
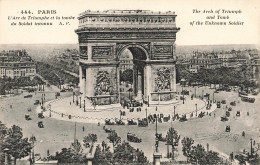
(119, 122)
(28, 96)
(133, 138)
(238, 113)
(223, 102)
(37, 102)
(224, 118)
(107, 130)
(227, 113)
(228, 128)
(183, 118)
(131, 122)
(27, 117)
(40, 124)
(108, 122)
(233, 103)
(218, 104)
(40, 115)
(241, 158)
(142, 123)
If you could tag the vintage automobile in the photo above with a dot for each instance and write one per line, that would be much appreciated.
(131, 122)
(224, 118)
(223, 102)
(29, 109)
(28, 96)
(233, 103)
(218, 104)
(133, 138)
(119, 122)
(108, 122)
(183, 118)
(36, 102)
(63, 90)
(201, 114)
(207, 95)
(40, 124)
(107, 130)
(227, 113)
(166, 119)
(251, 100)
(229, 109)
(238, 113)
(40, 115)
(228, 128)
(142, 122)
(27, 117)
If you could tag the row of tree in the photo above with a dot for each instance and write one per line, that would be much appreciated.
(123, 153)
(55, 76)
(226, 76)
(7, 83)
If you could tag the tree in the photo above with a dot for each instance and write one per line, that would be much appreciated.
(186, 146)
(101, 157)
(18, 146)
(3, 133)
(91, 138)
(125, 153)
(68, 155)
(198, 154)
(114, 138)
(76, 146)
(172, 138)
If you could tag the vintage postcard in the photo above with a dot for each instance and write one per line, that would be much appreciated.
(119, 82)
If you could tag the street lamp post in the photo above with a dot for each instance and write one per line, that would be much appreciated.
(79, 102)
(196, 109)
(202, 95)
(195, 92)
(6, 155)
(84, 106)
(213, 96)
(182, 95)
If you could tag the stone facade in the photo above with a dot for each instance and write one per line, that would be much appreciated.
(149, 36)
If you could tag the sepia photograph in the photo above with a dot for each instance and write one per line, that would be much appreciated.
(143, 82)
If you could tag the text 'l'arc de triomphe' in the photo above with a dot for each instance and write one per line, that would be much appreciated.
(150, 37)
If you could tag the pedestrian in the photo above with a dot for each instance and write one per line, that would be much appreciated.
(83, 128)
(231, 156)
(243, 133)
(214, 114)
(70, 103)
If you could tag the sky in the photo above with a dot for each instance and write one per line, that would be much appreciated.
(248, 33)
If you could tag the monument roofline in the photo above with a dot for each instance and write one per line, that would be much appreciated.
(126, 13)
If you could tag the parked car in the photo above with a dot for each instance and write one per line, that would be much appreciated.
(37, 102)
(223, 102)
(27, 117)
(224, 118)
(40, 115)
(143, 122)
(183, 118)
(131, 122)
(227, 113)
(238, 113)
(108, 122)
(133, 138)
(28, 96)
(228, 128)
(40, 124)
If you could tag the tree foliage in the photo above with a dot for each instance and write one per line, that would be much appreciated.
(89, 140)
(114, 138)
(18, 147)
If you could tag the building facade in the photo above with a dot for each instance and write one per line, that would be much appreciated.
(16, 63)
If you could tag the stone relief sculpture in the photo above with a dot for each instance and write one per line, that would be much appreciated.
(101, 52)
(162, 80)
(102, 83)
(84, 52)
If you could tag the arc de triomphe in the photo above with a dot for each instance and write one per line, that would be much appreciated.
(149, 36)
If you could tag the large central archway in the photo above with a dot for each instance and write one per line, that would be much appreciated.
(149, 36)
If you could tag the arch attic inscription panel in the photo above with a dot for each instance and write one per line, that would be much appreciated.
(150, 37)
